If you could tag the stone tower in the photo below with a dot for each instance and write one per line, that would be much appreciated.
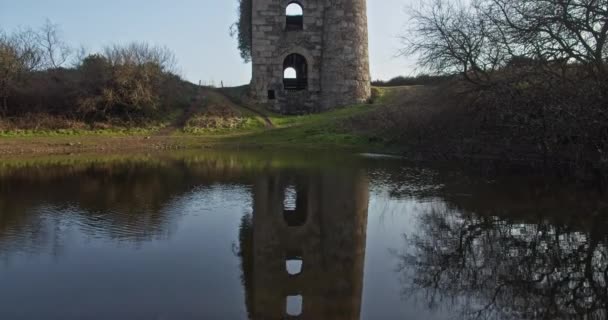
(311, 61)
(306, 244)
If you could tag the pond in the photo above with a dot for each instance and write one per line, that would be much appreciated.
(280, 235)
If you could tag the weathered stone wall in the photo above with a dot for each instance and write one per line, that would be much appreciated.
(334, 43)
(272, 44)
(345, 75)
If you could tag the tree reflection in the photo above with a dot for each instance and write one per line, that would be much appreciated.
(323, 227)
(121, 200)
(500, 268)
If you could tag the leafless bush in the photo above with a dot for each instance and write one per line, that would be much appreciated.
(18, 56)
(41, 75)
(26, 51)
(141, 54)
(127, 82)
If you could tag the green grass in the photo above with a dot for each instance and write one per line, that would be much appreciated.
(321, 130)
(245, 128)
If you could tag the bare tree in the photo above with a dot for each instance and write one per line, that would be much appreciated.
(78, 56)
(538, 69)
(454, 37)
(478, 37)
(556, 30)
(56, 51)
(496, 268)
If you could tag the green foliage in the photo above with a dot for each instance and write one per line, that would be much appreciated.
(242, 29)
(376, 95)
(329, 129)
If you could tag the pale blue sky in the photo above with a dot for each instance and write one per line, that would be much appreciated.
(196, 30)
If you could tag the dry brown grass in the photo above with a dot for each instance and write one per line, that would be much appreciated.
(414, 117)
(216, 113)
(36, 122)
(216, 117)
(562, 129)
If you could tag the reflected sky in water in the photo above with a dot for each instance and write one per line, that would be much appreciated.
(263, 235)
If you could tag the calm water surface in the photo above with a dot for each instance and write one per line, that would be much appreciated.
(271, 236)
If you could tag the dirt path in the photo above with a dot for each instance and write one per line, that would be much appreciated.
(206, 97)
(246, 105)
(181, 121)
(268, 123)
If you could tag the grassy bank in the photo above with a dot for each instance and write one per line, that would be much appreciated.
(314, 131)
(213, 121)
(420, 122)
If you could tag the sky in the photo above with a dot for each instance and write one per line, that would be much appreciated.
(197, 31)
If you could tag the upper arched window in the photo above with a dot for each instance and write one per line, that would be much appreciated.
(295, 16)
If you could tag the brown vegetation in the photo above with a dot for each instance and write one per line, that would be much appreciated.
(531, 85)
(419, 80)
(218, 113)
(124, 84)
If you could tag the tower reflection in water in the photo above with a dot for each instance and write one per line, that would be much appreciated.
(303, 249)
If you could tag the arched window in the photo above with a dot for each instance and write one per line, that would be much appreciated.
(294, 262)
(290, 73)
(295, 72)
(294, 204)
(295, 17)
(294, 305)
(293, 265)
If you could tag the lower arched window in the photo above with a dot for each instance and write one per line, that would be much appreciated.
(295, 72)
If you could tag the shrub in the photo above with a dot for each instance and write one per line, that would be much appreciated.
(132, 83)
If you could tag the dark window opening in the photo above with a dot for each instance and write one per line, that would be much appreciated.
(295, 218)
(294, 262)
(295, 207)
(294, 306)
(295, 17)
(295, 72)
(271, 95)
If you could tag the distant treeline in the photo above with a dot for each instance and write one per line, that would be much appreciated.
(419, 80)
(41, 77)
